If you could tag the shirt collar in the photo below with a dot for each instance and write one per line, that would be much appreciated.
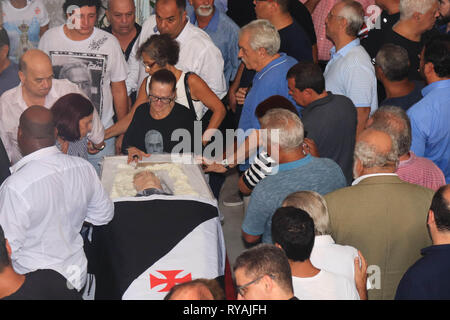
(273, 63)
(318, 102)
(358, 180)
(435, 85)
(323, 240)
(39, 154)
(344, 50)
(213, 23)
(295, 164)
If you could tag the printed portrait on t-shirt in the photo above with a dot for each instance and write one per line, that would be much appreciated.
(85, 70)
(154, 142)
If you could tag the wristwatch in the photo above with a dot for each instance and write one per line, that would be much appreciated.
(100, 148)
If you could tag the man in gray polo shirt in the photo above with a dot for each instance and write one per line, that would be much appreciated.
(297, 171)
(329, 119)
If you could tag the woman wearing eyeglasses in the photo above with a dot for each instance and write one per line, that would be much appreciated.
(162, 52)
(154, 122)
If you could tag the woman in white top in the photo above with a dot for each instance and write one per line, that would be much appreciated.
(162, 52)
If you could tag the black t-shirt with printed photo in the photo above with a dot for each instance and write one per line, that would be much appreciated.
(155, 136)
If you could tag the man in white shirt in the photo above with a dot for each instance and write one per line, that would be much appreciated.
(350, 71)
(293, 231)
(46, 200)
(37, 87)
(96, 60)
(197, 51)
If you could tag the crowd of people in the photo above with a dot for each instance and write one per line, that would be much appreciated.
(344, 160)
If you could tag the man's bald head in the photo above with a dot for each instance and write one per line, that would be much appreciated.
(198, 289)
(36, 129)
(32, 58)
(376, 150)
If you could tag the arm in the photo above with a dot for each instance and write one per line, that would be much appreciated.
(201, 91)
(363, 115)
(121, 126)
(263, 166)
(43, 29)
(100, 209)
(234, 88)
(249, 240)
(315, 53)
(361, 276)
(311, 5)
(120, 98)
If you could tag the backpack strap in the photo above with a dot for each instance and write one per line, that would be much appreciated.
(188, 94)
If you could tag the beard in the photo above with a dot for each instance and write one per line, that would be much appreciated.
(204, 11)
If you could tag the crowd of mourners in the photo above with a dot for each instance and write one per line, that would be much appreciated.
(343, 160)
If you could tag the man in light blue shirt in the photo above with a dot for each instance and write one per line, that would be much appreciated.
(350, 71)
(271, 68)
(430, 117)
(222, 30)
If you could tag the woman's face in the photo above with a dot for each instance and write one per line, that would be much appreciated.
(150, 65)
(85, 125)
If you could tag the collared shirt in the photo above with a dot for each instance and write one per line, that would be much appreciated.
(44, 204)
(224, 33)
(12, 105)
(430, 125)
(197, 54)
(319, 16)
(358, 180)
(351, 73)
(127, 52)
(421, 171)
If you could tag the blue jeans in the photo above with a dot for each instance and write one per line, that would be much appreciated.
(96, 159)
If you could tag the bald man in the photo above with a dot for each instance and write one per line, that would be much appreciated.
(37, 87)
(40, 214)
(380, 214)
(121, 16)
(198, 289)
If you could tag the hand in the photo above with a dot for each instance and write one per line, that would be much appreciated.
(119, 140)
(134, 154)
(214, 167)
(310, 147)
(146, 180)
(241, 94)
(361, 276)
(95, 148)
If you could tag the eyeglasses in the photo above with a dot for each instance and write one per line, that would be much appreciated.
(149, 66)
(242, 289)
(163, 100)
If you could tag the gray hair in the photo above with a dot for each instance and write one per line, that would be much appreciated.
(353, 12)
(314, 204)
(289, 126)
(395, 122)
(393, 61)
(408, 7)
(371, 157)
(262, 35)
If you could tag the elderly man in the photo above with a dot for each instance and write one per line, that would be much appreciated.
(121, 16)
(443, 23)
(40, 215)
(430, 117)
(263, 273)
(37, 285)
(380, 214)
(417, 18)
(296, 172)
(222, 30)
(350, 72)
(37, 87)
(259, 42)
(79, 39)
(197, 51)
(411, 168)
(391, 68)
(428, 278)
(293, 231)
(8, 69)
(329, 119)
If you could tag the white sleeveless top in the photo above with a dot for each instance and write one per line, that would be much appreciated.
(181, 98)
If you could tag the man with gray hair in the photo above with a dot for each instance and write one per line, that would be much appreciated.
(259, 42)
(297, 171)
(349, 71)
(413, 169)
(380, 214)
(417, 18)
(391, 68)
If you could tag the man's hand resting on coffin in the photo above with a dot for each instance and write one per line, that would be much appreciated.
(134, 154)
(146, 180)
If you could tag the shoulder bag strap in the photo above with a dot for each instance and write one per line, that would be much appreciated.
(188, 94)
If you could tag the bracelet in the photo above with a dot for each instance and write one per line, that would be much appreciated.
(101, 148)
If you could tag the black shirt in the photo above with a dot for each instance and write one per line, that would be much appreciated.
(372, 42)
(407, 101)
(302, 16)
(154, 136)
(127, 52)
(295, 43)
(331, 123)
(241, 11)
(44, 285)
